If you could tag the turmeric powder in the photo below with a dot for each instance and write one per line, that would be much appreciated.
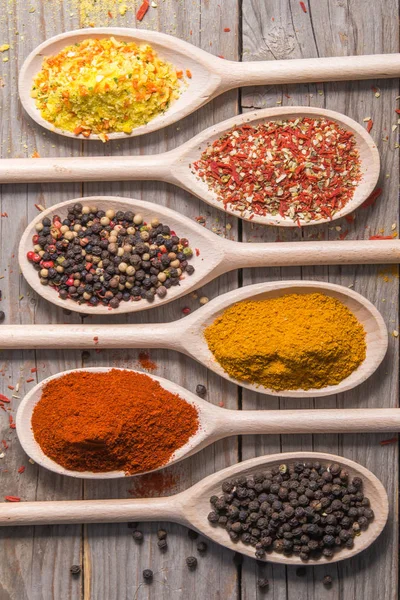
(296, 341)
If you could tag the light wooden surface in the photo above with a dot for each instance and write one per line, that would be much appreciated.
(175, 166)
(189, 507)
(215, 423)
(189, 338)
(35, 562)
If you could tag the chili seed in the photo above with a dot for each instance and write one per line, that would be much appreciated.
(96, 259)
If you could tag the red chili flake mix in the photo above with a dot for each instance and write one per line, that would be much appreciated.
(34, 370)
(4, 398)
(227, 29)
(303, 7)
(146, 362)
(5, 445)
(21, 469)
(303, 169)
(12, 498)
(30, 380)
(12, 424)
(370, 125)
(381, 237)
(142, 10)
(389, 441)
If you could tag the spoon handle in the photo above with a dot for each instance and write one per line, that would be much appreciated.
(154, 335)
(357, 420)
(288, 254)
(307, 70)
(168, 508)
(86, 168)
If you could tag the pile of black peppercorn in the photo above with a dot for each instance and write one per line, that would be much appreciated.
(105, 257)
(302, 509)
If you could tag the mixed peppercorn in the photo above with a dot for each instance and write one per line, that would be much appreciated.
(104, 257)
(303, 169)
(303, 509)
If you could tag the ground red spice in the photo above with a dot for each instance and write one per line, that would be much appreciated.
(154, 484)
(146, 363)
(118, 420)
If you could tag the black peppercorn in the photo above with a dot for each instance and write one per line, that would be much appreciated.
(193, 535)
(263, 583)
(75, 570)
(137, 536)
(148, 575)
(162, 544)
(191, 562)
(202, 547)
(327, 581)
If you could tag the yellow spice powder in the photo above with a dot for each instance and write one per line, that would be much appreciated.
(292, 342)
(104, 85)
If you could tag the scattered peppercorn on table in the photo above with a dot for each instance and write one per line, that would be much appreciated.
(126, 561)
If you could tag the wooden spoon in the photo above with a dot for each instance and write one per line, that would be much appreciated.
(216, 423)
(191, 507)
(187, 335)
(175, 166)
(210, 75)
(213, 255)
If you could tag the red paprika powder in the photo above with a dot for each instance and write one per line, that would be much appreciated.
(117, 420)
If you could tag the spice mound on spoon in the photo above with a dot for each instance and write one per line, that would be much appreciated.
(305, 509)
(117, 420)
(104, 86)
(305, 168)
(292, 342)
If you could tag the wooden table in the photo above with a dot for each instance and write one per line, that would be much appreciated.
(35, 561)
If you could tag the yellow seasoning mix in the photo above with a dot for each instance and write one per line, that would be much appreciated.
(296, 341)
(104, 86)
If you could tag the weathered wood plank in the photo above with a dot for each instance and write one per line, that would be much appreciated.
(278, 30)
(109, 578)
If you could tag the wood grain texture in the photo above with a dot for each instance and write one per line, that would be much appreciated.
(35, 561)
(277, 30)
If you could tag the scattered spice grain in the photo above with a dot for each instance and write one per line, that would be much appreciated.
(12, 498)
(162, 534)
(302, 169)
(144, 7)
(162, 544)
(75, 570)
(202, 547)
(327, 581)
(2, 316)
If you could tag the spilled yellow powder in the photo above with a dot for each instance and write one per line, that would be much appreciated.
(389, 274)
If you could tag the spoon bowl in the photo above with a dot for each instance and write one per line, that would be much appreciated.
(214, 424)
(213, 255)
(191, 507)
(175, 166)
(210, 75)
(188, 336)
